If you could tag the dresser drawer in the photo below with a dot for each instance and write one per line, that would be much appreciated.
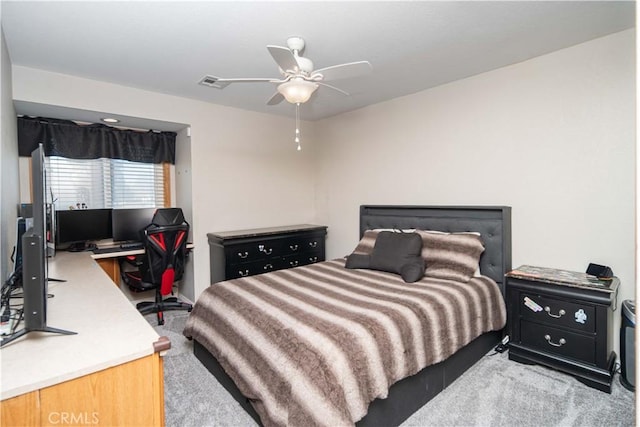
(248, 252)
(245, 269)
(298, 244)
(558, 312)
(301, 259)
(558, 341)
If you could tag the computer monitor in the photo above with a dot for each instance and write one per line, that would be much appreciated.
(127, 223)
(76, 228)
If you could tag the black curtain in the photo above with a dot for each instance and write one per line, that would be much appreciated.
(67, 139)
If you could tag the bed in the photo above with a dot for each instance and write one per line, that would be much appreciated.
(347, 383)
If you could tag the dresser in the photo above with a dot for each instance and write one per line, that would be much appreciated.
(242, 253)
(563, 320)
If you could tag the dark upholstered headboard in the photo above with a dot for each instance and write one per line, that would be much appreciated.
(492, 222)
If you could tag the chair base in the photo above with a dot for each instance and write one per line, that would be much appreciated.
(159, 307)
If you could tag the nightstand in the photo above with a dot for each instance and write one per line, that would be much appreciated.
(563, 320)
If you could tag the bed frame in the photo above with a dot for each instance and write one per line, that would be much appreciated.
(410, 394)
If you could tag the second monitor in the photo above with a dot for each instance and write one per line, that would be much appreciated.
(127, 223)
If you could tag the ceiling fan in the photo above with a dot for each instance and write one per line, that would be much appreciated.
(299, 80)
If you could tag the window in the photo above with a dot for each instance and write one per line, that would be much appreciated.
(105, 183)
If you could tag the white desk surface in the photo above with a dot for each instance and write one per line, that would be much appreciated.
(123, 252)
(110, 330)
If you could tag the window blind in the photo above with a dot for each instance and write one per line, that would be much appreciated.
(104, 183)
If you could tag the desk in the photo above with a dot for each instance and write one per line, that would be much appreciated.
(110, 264)
(107, 374)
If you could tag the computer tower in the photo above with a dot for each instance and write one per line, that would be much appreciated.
(25, 210)
(627, 345)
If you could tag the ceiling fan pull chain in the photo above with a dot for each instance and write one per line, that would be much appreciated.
(297, 138)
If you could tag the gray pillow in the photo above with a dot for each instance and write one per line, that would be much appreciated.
(358, 261)
(398, 253)
(413, 271)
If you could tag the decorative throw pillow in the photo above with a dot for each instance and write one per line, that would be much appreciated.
(452, 256)
(398, 253)
(366, 243)
(368, 240)
(413, 271)
(395, 252)
(358, 261)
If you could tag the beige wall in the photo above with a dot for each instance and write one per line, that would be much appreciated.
(9, 191)
(553, 137)
(244, 170)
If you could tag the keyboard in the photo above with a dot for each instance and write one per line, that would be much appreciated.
(107, 250)
(131, 245)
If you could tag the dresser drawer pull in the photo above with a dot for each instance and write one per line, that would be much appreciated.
(560, 343)
(313, 258)
(243, 254)
(556, 316)
(268, 267)
(261, 248)
(293, 247)
(243, 273)
(313, 244)
(293, 263)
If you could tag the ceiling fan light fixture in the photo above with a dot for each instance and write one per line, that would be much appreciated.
(297, 90)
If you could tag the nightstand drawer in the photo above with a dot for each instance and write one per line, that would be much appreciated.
(558, 341)
(558, 312)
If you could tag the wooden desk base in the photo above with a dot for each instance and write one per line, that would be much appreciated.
(111, 266)
(128, 394)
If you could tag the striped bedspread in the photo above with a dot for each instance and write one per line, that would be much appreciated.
(315, 345)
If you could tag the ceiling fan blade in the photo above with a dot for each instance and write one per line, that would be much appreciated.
(250, 80)
(334, 88)
(345, 71)
(283, 57)
(277, 98)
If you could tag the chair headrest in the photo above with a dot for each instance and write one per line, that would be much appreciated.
(168, 216)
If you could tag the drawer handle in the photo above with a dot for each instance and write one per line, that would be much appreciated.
(293, 263)
(560, 343)
(555, 316)
(313, 258)
(313, 244)
(268, 267)
(243, 254)
(261, 248)
(243, 273)
(293, 247)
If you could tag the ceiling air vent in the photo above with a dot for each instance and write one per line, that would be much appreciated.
(213, 81)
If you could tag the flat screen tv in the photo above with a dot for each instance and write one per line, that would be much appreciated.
(34, 257)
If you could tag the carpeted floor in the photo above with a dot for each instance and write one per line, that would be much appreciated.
(494, 392)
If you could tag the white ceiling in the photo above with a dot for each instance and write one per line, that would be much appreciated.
(168, 47)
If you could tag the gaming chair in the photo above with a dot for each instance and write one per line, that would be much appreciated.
(165, 243)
